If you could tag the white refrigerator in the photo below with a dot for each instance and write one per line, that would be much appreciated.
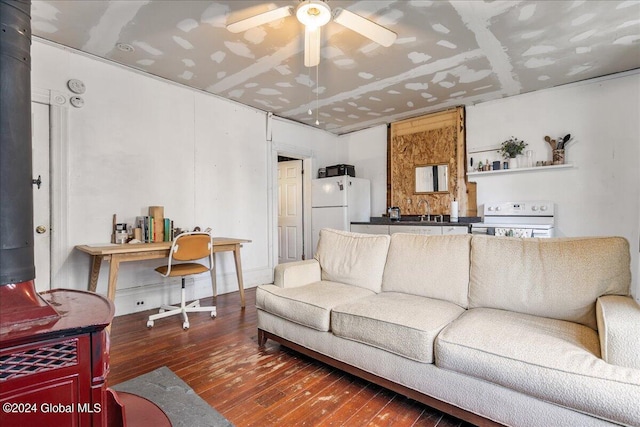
(338, 201)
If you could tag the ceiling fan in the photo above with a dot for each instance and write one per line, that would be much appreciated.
(314, 14)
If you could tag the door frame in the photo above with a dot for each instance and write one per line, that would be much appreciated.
(58, 179)
(306, 156)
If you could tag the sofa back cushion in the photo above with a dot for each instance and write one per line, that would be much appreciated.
(352, 258)
(560, 278)
(429, 266)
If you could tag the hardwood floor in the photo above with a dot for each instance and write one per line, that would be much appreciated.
(221, 361)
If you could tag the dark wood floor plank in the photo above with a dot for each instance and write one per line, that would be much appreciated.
(364, 415)
(324, 403)
(296, 396)
(342, 415)
(399, 412)
(281, 393)
(275, 386)
(429, 418)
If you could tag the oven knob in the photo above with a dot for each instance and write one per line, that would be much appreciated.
(543, 208)
(534, 208)
(498, 208)
(490, 208)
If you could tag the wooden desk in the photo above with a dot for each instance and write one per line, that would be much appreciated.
(116, 254)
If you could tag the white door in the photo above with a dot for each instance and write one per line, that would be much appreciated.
(289, 211)
(41, 202)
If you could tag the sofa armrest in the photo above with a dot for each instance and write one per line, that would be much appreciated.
(618, 320)
(299, 273)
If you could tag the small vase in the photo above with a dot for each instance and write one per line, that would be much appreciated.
(513, 162)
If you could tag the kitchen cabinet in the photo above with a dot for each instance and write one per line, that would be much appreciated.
(454, 229)
(370, 228)
(427, 230)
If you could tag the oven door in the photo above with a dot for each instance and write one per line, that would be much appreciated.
(490, 230)
(544, 233)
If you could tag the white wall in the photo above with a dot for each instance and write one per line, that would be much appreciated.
(141, 141)
(367, 151)
(599, 196)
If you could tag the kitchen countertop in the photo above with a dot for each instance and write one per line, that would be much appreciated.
(415, 220)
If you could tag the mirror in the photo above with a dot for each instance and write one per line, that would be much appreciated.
(432, 178)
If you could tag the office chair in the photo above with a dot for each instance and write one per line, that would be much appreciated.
(186, 247)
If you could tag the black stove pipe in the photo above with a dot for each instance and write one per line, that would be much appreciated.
(16, 189)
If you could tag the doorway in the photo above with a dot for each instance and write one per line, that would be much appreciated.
(290, 210)
(50, 147)
(280, 150)
(40, 145)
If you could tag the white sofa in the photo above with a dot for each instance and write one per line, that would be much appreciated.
(493, 330)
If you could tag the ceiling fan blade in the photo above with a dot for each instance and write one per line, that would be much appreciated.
(311, 47)
(365, 27)
(260, 19)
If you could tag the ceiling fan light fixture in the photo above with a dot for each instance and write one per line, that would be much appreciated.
(313, 14)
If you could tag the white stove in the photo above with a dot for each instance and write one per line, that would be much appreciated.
(517, 219)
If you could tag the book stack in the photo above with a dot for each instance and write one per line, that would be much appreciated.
(145, 224)
(155, 227)
(168, 230)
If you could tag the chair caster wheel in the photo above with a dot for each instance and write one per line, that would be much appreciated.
(149, 323)
(185, 325)
(162, 310)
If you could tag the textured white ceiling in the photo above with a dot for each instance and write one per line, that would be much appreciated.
(447, 52)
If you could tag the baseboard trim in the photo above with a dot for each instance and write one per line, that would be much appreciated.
(153, 295)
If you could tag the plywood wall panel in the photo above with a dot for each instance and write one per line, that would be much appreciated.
(433, 139)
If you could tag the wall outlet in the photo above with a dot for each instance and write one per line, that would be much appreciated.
(139, 302)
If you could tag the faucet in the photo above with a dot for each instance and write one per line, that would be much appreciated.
(426, 209)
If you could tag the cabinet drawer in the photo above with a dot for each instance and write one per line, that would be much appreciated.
(450, 229)
(370, 228)
(419, 229)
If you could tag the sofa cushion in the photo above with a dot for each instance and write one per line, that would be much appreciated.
(559, 278)
(352, 258)
(553, 360)
(400, 323)
(429, 266)
(309, 305)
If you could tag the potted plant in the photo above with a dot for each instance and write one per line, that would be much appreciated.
(511, 148)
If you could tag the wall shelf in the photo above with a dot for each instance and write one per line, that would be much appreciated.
(518, 170)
